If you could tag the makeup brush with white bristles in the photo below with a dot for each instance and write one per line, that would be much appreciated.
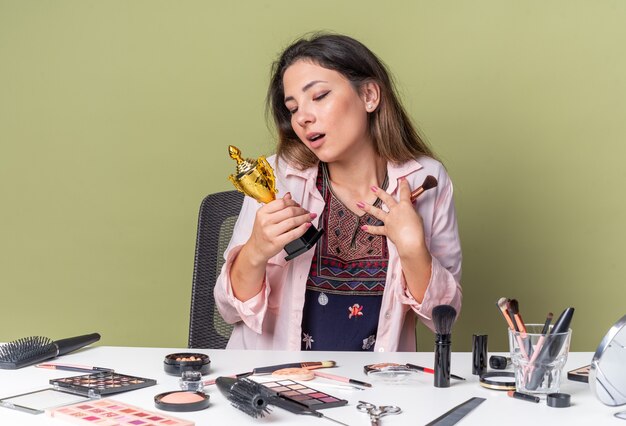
(503, 306)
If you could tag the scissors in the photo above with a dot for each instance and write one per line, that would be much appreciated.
(376, 412)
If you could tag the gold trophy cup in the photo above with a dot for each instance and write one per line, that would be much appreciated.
(255, 178)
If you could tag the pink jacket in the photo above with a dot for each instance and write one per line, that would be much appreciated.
(272, 318)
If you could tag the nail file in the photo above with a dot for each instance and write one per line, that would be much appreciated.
(457, 413)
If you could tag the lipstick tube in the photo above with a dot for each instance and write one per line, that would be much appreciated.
(523, 396)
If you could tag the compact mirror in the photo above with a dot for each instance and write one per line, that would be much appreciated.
(607, 377)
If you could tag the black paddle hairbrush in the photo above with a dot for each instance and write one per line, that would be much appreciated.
(245, 395)
(443, 318)
(32, 350)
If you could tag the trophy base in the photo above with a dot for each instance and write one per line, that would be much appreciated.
(304, 243)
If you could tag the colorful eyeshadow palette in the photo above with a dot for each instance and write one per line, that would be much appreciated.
(107, 412)
(104, 383)
(304, 395)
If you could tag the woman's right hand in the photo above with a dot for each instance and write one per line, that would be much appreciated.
(276, 224)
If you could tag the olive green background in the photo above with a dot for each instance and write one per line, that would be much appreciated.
(115, 118)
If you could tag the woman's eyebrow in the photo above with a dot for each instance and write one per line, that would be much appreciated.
(306, 87)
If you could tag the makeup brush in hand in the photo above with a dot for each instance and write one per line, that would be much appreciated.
(443, 318)
(32, 350)
(429, 182)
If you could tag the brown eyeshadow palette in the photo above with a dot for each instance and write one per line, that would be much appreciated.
(304, 395)
(580, 374)
(103, 383)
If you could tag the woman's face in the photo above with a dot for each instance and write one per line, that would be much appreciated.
(327, 113)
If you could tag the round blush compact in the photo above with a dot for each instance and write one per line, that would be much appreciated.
(181, 401)
(294, 374)
(175, 364)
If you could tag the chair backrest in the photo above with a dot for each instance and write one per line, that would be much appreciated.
(216, 220)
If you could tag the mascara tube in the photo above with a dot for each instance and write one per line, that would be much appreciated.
(442, 360)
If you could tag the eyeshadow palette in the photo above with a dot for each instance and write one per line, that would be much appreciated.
(304, 395)
(103, 383)
(107, 412)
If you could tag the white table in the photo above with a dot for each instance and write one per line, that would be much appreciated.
(419, 400)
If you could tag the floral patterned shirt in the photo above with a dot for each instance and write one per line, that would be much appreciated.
(346, 280)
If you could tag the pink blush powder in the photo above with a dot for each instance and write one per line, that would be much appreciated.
(181, 398)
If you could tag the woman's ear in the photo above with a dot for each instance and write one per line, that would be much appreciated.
(370, 93)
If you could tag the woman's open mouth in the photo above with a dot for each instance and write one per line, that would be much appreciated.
(315, 139)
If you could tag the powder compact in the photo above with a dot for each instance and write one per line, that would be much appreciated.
(181, 401)
(175, 364)
(498, 380)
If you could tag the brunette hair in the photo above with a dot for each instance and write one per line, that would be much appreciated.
(395, 137)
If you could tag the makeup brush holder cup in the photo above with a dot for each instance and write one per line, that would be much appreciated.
(538, 359)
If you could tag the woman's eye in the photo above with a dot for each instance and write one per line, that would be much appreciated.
(321, 96)
(292, 111)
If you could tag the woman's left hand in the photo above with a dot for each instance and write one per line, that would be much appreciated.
(401, 224)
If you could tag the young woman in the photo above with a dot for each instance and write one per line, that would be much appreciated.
(347, 160)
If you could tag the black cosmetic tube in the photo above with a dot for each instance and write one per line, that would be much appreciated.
(442, 360)
(479, 353)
